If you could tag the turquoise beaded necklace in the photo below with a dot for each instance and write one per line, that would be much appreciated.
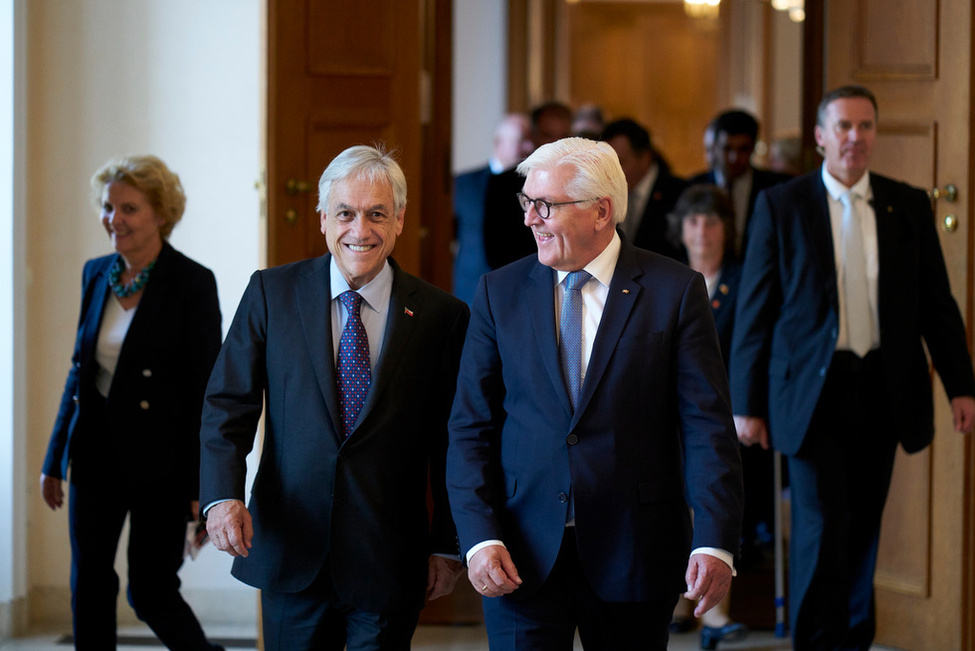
(127, 289)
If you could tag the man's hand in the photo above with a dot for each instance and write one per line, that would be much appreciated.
(492, 572)
(752, 430)
(442, 575)
(230, 527)
(51, 491)
(708, 581)
(963, 408)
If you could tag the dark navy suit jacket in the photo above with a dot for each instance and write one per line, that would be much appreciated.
(156, 395)
(653, 419)
(654, 233)
(788, 313)
(355, 508)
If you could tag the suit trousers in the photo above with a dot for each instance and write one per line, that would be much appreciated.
(839, 484)
(97, 506)
(547, 620)
(316, 619)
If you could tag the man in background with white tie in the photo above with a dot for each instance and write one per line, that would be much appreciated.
(843, 279)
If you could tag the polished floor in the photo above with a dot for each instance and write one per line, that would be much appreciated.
(427, 638)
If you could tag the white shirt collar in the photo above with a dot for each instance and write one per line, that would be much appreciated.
(603, 265)
(836, 188)
(375, 293)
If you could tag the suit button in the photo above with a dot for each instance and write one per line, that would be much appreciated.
(563, 497)
(822, 372)
(75, 399)
(144, 404)
(146, 372)
(77, 364)
(571, 439)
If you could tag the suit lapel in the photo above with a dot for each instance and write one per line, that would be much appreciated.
(539, 292)
(95, 307)
(814, 212)
(151, 306)
(887, 238)
(313, 298)
(624, 291)
(401, 320)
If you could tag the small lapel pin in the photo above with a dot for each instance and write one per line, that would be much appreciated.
(715, 304)
(626, 291)
(723, 289)
(407, 311)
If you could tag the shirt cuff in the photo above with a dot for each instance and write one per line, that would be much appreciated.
(212, 504)
(721, 554)
(479, 546)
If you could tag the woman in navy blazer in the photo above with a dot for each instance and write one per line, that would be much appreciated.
(706, 220)
(129, 422)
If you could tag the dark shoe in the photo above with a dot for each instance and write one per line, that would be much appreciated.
(681, 624)
(732, 632)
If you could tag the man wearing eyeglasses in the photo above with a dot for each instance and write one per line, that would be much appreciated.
(591, 412)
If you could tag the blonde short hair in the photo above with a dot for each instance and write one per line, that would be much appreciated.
(148, 175)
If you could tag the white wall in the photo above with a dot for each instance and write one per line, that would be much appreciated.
(480, 78)
(13, 575)
(181, 79)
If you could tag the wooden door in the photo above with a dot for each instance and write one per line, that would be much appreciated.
(916, 56)
(343, 73)
(346, 73)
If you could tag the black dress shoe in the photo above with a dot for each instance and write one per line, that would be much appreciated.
(681, 624)
(733, 632)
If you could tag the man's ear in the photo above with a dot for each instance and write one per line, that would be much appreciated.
(604, 213)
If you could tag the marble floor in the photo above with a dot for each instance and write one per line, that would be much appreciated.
(427, 638)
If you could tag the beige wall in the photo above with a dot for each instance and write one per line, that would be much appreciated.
(181, 79)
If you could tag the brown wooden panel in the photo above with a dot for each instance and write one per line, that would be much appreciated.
(330, 27)
(904, 559)
(906, 151)
(896, 39)
(648, 61)
(339, 74)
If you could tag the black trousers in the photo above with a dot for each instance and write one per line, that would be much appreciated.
(97, 508)
(547, 620)
(316, 619)
(839, 483)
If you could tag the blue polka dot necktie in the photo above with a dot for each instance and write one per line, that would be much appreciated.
(570, 334)
(354, 375)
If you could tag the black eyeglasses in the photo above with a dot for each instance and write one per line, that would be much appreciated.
(542, 207)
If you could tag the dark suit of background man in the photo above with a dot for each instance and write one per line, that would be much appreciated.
(340, 542)
(577, 516)
(840, 380)
(505, 237)
(653, 191)
(732, 143)
(511, 143)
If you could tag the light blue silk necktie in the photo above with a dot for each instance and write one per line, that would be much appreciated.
(570, 348)
(570, 334)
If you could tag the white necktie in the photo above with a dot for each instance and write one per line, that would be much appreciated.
(859, 317)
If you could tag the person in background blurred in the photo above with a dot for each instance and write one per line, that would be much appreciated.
(734, 135)
(512, 142)
(707, 223)
(129, 422)
(652, 190)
